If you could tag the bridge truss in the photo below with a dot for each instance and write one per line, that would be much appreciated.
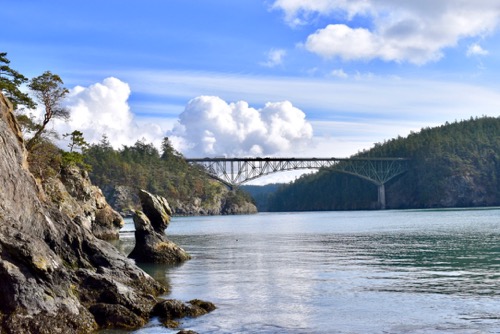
(236, 171)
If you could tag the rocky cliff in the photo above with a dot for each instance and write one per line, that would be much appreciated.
(125, 200)
(56, 276)
(75, 195)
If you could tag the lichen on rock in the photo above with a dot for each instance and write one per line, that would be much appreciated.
(83, 202)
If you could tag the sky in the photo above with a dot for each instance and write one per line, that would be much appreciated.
(292, 78)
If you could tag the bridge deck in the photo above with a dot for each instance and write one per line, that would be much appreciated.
(235, 171)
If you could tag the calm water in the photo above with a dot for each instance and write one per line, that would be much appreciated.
(338, 272)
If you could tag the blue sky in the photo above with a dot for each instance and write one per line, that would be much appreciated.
(315, 78)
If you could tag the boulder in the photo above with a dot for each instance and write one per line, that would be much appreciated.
(115, 316)
(156, 209)
(171, 310)
(54, 273)
(151, 243)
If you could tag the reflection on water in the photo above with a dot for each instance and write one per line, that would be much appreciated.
(463, 264)
(340, 272)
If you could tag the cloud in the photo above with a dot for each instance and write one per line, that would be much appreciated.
(363, 95)
(359, 100)
(401, 31)
(103, 109)
(299, 12)
(339, 73)
(476, 50)
(274, 58)
(342, 41)
(211, 126)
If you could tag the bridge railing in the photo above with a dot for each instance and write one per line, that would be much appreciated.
(235, 171)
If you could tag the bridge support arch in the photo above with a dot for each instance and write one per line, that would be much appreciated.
(236, 171)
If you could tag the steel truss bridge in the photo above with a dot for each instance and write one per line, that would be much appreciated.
(236, 171)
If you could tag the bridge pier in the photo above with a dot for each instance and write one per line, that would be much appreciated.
(381, 196)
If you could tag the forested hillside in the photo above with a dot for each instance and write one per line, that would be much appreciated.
(120, 173)
(261, 194)
(454, 165)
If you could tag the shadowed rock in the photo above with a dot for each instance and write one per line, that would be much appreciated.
(115, 316)
(170, 310)
(151, 243)
(54, 273)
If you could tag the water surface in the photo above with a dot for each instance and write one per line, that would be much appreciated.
(419, 271)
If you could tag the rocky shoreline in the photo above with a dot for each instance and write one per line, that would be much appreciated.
(57, 275)
(126, 201)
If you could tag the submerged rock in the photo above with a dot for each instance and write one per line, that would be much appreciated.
(171, 310)
(151, 243)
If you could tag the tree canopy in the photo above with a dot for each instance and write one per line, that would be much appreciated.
(49, 91)
(456, 164)
(10, 82)
(142, 166)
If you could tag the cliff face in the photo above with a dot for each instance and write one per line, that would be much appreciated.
(56, 276)
(125, 200)
(75, 195)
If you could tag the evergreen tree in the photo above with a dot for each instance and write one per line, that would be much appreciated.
(456, 164)
(48, 90)
(10, 81)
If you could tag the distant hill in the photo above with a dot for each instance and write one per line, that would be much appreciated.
(453, 165)
(261, 194)
(189, 190)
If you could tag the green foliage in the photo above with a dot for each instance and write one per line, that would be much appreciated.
(141, 166)
(77, 141)
(455, 164)
(10, 81)
(321, 191)
(74, 159)
(48, 90)
(26, 123)
(261, 194)
(45, 160)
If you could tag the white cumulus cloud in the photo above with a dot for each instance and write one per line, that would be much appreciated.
(103, 109)
(274, 58)
(476, 50)
(339, 73)
(211, 126)
(400, 31)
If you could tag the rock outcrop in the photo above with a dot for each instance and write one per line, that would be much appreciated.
(170, 310)
(56, 276)
(224, 203)
(125, 200)
(151, 243)
(76, 196)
